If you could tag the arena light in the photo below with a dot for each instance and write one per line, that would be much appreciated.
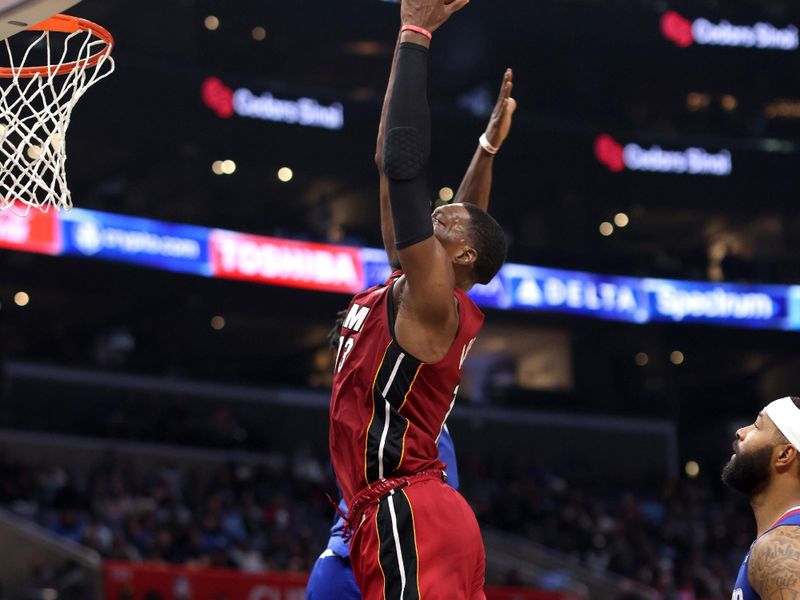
(216, 167)
(692, 469)
(446, 194)
(779, 109)
(606, 229)
(366, 48)
(21, 299)
(228, 167)
(259, 33)
(641, 359)
(729, 102)
(621, 220)
(696, 101)
(211, 22)
(217, 323)
(677, 357)
(285, 174)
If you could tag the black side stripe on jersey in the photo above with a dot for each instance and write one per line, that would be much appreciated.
(386, 434)
(397, 549)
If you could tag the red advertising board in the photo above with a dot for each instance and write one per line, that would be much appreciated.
(286, 262)
(141, 581)
(37, 232)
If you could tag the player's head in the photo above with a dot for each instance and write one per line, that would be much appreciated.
(767, 449)
(473, 239)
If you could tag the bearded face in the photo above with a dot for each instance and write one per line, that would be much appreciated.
(749, 471)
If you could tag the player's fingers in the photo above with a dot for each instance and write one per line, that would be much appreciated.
(510, 105)
(505, 91)
(508, 77)
(455, 6)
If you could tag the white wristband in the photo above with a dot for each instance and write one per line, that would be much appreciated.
(487, 145)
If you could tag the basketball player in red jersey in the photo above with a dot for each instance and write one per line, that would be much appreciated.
(399, 362)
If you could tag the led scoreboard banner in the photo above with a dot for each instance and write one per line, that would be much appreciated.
(222, 254)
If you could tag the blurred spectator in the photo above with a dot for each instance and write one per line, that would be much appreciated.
(233, 516)
(682, 540)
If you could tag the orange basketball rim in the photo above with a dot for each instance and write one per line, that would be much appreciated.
(64, 24)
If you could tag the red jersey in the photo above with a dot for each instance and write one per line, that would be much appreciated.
(388, 408)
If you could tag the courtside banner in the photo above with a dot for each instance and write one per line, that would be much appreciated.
(286, 263)
(751, 306)
(144, 242)
(37, 232)
(347, 270)
(574, 292)
(794, 307)
(141, 581)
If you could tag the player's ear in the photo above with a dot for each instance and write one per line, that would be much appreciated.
(787, 454)
(466, 256)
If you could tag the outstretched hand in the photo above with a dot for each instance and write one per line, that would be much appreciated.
(429, 14)
(500, 122)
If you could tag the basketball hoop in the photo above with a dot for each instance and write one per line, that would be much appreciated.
(36, 102)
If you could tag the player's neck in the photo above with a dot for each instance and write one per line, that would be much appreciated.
(772, 504)
(464, 281)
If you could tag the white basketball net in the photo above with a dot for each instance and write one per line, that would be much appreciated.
(34, 117)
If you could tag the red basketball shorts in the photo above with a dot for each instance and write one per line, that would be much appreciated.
(421, 542)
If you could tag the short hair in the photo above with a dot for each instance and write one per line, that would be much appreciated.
(335, 333)
(489, 242)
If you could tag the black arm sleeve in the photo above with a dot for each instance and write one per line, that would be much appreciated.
(407, 147)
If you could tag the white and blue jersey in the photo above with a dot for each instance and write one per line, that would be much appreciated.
(332, 577)
(743, 589)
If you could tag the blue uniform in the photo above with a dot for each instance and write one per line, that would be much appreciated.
(332, 577)
(743, 590)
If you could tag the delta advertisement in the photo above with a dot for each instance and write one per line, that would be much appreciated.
(222, 254)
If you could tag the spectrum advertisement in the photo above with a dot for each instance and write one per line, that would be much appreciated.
(217, 253)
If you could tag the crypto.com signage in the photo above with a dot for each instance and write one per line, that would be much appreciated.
(306, 265)
(633, 157)
(684, 32)
(306, 112)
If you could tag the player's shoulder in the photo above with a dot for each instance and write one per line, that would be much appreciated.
(772, 568)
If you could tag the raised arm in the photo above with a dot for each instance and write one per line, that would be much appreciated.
(429, 277)
(773, 567)
(387, 225)
(476, 185)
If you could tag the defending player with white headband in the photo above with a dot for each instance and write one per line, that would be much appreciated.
(766, 467)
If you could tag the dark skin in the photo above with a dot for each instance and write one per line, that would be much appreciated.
(774, 566)
(427, 312)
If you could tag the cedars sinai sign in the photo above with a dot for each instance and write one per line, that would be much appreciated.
(685, 32)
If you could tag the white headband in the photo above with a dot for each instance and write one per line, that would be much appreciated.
(786, 416)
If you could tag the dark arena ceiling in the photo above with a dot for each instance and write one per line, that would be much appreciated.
(144, 142)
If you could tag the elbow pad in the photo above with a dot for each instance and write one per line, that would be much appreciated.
(403, 154)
